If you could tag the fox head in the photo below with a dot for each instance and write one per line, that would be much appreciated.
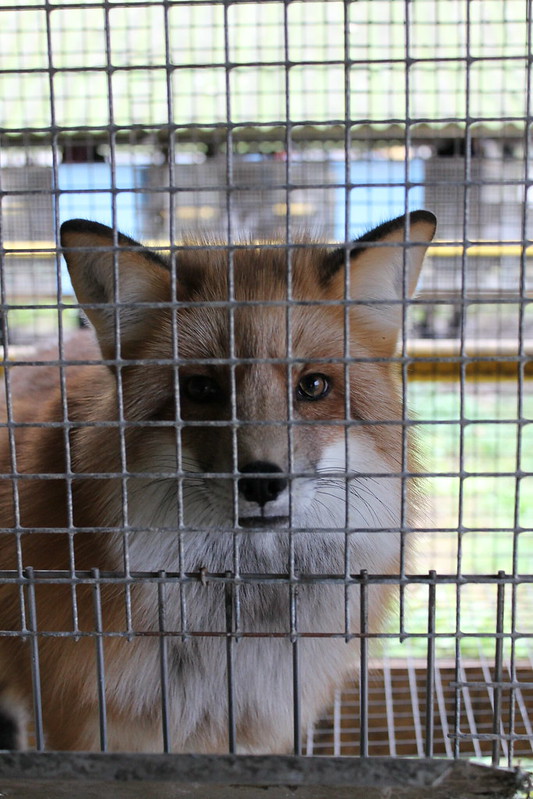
(256, 385)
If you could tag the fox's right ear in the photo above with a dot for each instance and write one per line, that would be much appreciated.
(112, 278)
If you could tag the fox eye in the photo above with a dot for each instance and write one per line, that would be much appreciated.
(313, 387)
(201, 388)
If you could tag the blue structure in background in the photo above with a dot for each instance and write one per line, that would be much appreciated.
(95, 202)
(378, 195)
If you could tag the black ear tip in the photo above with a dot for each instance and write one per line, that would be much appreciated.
(81, 226)
(393, 226)
(96, 235)
(423, 216)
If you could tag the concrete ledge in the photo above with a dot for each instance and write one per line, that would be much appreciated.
(124, 776)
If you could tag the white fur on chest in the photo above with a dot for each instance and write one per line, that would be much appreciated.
(334, 515)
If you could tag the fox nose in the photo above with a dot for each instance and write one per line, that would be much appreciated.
(261, 489)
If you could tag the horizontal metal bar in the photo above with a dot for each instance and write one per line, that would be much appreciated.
(485, 247)
(276, 127)
(346, 476)
(446, 249)
(66, 530)
(124, 424)
(285, 64)
(133, 4)
(288, 636)
(428, 360)
(488, 736)
(436, 368)
(441, 299)
(236, 304)
(491, 683)
(11, 576)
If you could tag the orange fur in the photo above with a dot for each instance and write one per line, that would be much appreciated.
(40, 517)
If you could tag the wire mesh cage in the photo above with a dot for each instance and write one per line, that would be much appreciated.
(260, 495)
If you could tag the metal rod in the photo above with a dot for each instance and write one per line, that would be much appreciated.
(163, 663)
(363, 668)
(229, 602)
(100, 663)
(430, 672)
(35, 664)
(296, 704)
(498, 669)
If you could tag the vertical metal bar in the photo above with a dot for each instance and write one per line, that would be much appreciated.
(363, 667)
(389, 705)
(296, 698)
(35, 664)
(60, 328)
(296, 705)
(404, 507)
(498, 669)
(517, 522)
(184, 622)
(293, 587)
(11, 442)
(171, 158)
(231, 322)
(458, 668)
(430, 668)
(229, 603)
(163, 660)
(117, 298)
(288, 309)
(346, 331)
(462, 350)
(100, 666)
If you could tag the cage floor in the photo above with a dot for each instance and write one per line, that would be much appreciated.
(397, 693)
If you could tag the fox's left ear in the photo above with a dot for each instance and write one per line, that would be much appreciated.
(384, 268)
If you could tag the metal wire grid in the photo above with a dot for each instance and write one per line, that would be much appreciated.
(403, 707)
(398, 713)
(503, 736)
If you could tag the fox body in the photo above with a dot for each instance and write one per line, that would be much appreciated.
(171, 451)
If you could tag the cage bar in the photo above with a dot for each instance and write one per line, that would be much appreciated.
(217, 131)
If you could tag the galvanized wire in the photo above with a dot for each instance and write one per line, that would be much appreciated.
(231, 146)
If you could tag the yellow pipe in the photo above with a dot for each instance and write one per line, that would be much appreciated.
(46, 249)
(486, 359)
(480, 250)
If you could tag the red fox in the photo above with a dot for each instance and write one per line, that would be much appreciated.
(210, 426)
